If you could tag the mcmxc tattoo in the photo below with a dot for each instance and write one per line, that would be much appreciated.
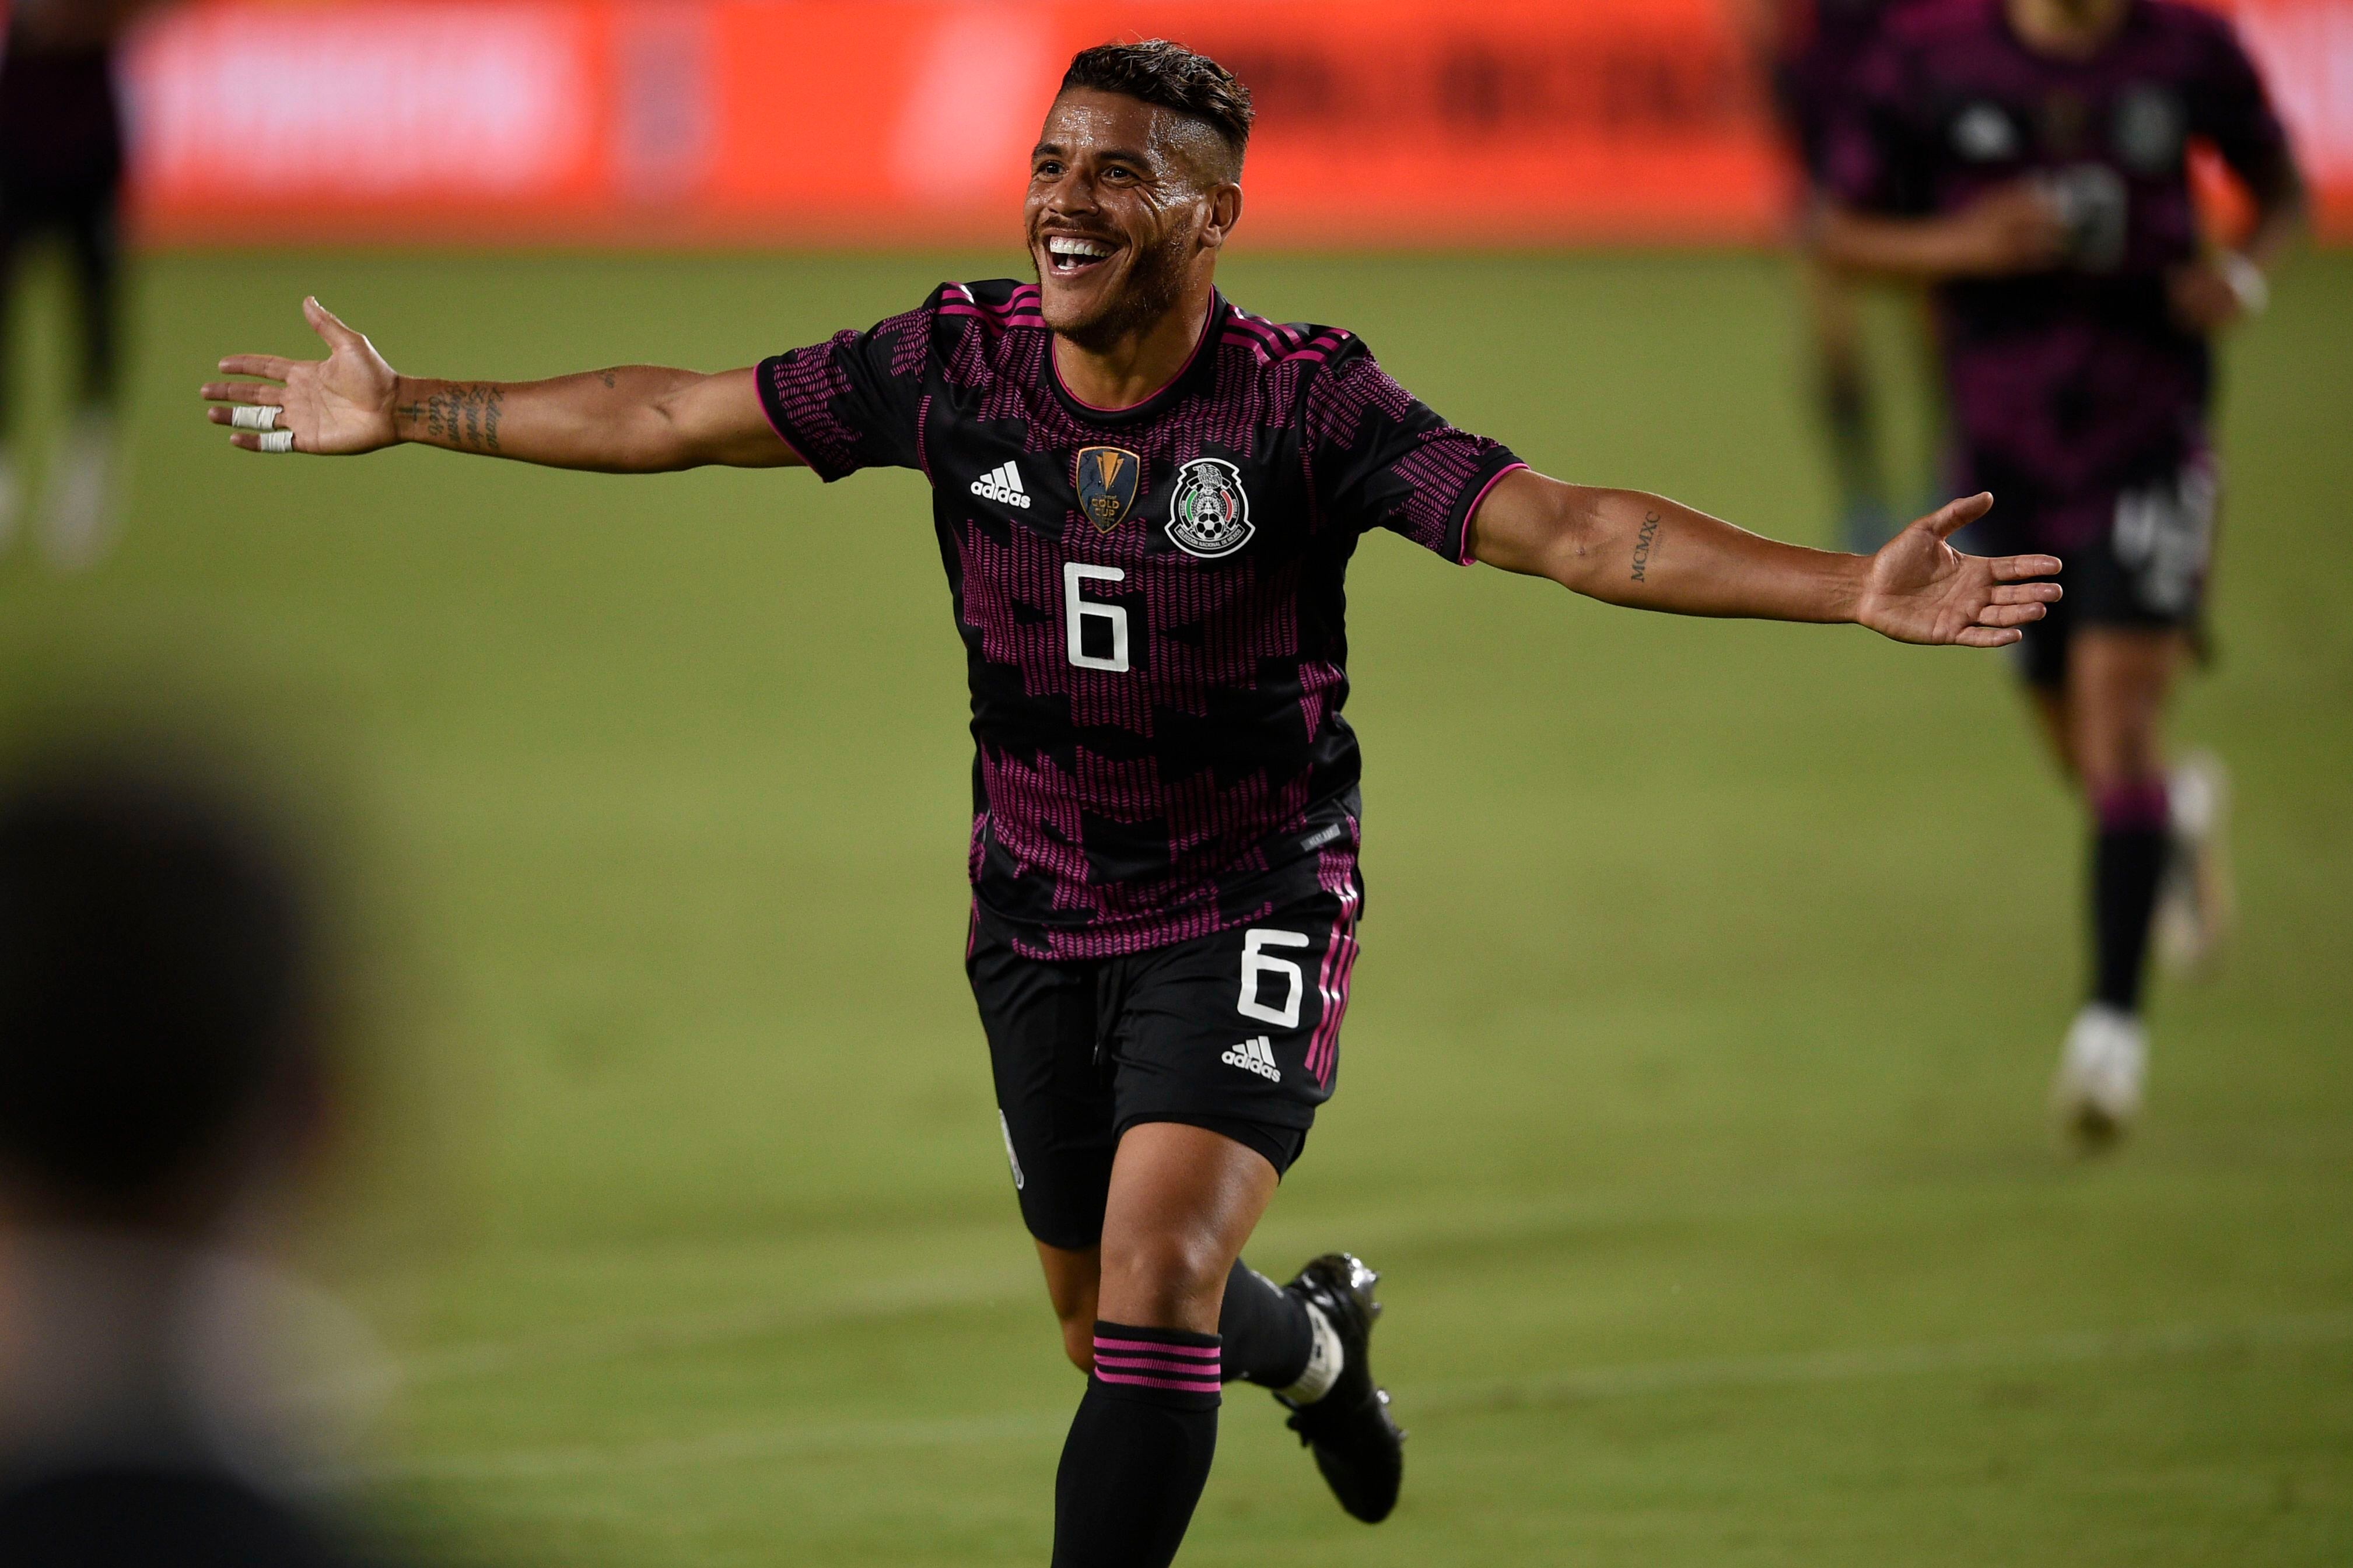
(1642, 543)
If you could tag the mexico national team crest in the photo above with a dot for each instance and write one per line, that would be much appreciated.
(1106, 480)
(1209, 515)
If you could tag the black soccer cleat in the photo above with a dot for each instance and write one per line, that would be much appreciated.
(1359, 1449)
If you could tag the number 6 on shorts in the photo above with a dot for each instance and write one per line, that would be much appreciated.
(1256, 964)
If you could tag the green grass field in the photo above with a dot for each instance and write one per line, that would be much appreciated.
(1692, 1101)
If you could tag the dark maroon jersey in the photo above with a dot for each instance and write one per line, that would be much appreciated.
(1151, 598)
(2071, 386)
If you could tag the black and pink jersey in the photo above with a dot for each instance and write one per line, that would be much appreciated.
(2071, 386)
(1151, 598)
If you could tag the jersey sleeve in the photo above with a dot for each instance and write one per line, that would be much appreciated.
(1379, 457)
(854, 401)
(2232, 110)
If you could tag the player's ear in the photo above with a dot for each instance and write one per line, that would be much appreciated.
(1225, 211)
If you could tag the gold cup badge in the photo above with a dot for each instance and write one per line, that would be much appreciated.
(1106, 479)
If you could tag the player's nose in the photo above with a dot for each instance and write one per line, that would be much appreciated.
(1072, 195)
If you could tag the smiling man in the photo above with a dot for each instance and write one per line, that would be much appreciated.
(1146, 499)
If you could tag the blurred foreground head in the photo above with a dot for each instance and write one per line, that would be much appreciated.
(162, 992)
(164, 1013)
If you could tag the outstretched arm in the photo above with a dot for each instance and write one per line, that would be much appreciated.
(2017, 229)
(636, 419)
(2011, 229)
(1624, 547)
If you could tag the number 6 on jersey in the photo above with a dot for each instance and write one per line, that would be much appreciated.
(1078, 612)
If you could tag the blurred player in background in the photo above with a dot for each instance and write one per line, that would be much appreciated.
(166, 1042)
(1145, 500)
(2030, 157)
(1812, 51)
(61, 166)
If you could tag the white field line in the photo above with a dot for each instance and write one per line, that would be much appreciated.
(1820, 1367)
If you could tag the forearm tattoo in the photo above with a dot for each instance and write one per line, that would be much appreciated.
(465, 416)
(1642, 543)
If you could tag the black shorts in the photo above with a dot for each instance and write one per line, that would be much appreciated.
(2145, 569)
(1237, 1032)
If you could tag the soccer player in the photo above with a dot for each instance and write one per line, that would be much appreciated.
(61, 176)
(1146, 499)
(2029, 157)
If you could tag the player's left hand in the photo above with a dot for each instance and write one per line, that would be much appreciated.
(2203, 298)
(1922, 590)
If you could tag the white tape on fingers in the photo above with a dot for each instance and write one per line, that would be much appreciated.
(254, 419)
(278, 441)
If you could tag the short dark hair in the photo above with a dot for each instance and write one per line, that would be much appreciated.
(1172, 76)
(159, 978)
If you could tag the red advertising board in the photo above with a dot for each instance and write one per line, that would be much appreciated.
(654, 122)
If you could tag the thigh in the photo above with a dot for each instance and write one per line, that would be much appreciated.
(1239, 1032)
(2136, 591)
(1053, 1092)
(2118, 681)
(1184, 1200)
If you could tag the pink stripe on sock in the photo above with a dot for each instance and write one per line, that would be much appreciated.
(2138, 806)
(1210, 1385)
(1197, 1353)
(1149, 1363)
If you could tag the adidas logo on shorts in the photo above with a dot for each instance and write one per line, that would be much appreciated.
(1002, 483)
(1255, 1054)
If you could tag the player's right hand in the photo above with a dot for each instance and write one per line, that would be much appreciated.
(2014, 228)
(338, 407)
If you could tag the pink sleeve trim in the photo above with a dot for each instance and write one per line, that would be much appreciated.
(1473, 511)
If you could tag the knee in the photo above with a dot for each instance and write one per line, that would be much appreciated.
(1165, 1281)
(2130, 765)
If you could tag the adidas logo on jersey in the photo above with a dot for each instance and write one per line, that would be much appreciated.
(1002, 484)
(1255, 1054)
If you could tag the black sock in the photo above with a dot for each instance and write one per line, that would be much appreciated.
(1267, 1336)
(2127, 864)
(1139, 1448)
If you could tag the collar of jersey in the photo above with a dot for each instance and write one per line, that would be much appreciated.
(1202, 363)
